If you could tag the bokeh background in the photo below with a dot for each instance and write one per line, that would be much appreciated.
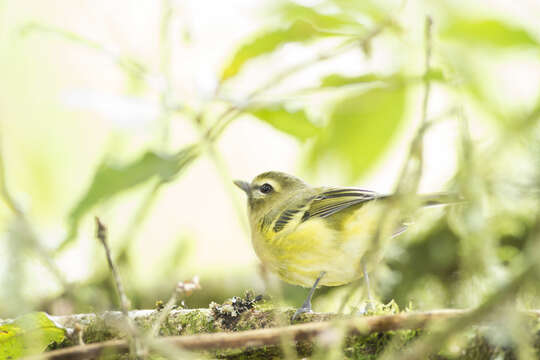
(100, 101)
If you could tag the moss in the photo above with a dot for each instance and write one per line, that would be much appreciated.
(146, 323)
(263, 352)
(189, 323)
(233, 311)
(99, 330)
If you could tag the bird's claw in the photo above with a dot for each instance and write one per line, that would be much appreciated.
(366, 308)
(300, 311)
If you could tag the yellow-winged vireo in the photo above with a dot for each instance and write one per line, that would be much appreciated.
(312, 236)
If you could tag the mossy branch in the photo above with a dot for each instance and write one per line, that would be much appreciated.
(210, 329)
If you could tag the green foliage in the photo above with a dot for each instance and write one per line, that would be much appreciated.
(338, 80)
(28, 334)
(360, 128)
(292, 122)
(113, 179)
(337, 21)
(488, 32)
(266, 42)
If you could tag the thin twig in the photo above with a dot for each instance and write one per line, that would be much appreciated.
(416, 147)
(4, 190)
(167, 13)
(411, 172)
(101, 234)
(43, 253)
(134, 344)
(183, 287)
(427, 59)
(138, 219)
(164, 314)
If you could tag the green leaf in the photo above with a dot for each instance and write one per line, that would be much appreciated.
(267, 42)
(337, 80)
(337, 21)
(113, 179)
(371, 9)
(360, 128)
(295, 123)
(488, 32)
(28, 334)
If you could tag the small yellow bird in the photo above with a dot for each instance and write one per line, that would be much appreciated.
(312, 236)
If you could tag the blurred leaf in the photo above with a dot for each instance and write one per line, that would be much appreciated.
(360, 128)
(487, 32)
(267, 42)
(36, 27)
(113, 179)
(293, 12)
(436, 75)
(28, 334)
(135, 72)
(337, 80)
(371, 9)
(295, 123)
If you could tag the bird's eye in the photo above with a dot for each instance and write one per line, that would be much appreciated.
(266, 188)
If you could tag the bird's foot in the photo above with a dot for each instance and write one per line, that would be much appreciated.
(305, 308)
(367, 307)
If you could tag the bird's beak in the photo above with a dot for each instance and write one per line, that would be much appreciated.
(243, 185)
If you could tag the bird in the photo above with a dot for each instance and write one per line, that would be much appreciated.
(317, 236)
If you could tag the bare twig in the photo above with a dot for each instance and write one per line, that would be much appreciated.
(101, 234)
(134, 344)
(186, 288)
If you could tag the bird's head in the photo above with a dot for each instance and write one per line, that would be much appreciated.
(268, 190)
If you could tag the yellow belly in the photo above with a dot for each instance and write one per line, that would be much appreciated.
(298, 257)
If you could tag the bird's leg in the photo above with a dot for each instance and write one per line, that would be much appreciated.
(366, 281)
(306, 306)
(369, 305)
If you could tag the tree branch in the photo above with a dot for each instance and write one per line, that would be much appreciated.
(261, 337)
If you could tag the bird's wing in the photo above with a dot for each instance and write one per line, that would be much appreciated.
(323, 203)
(333, 200)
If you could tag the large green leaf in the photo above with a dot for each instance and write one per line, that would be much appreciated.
(28, 334)
(360, 128)
(268, 41)
(295, 123)
(113, 179)
(488, 32)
